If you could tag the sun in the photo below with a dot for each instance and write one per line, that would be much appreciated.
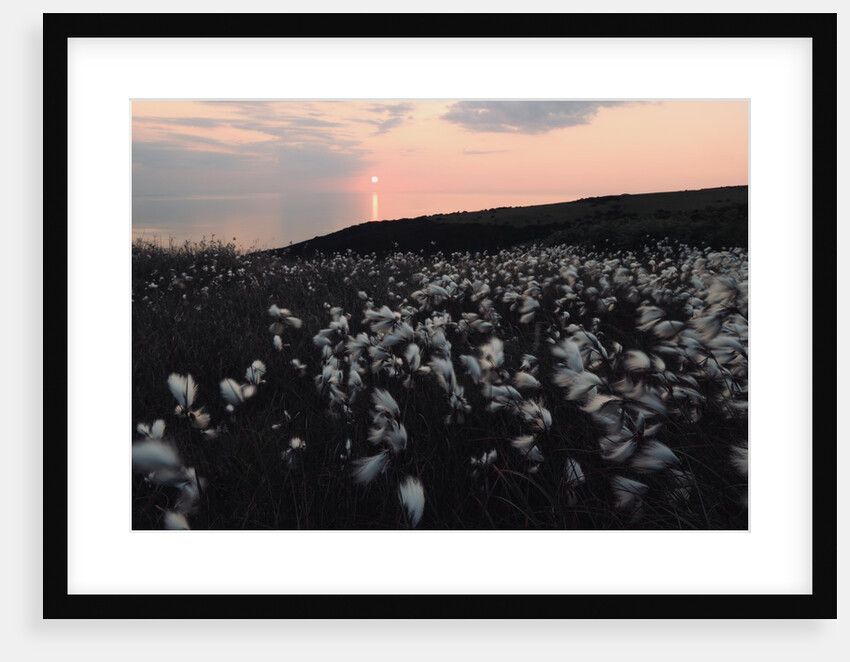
(374, 179)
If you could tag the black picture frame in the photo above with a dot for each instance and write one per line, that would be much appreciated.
(820, 28)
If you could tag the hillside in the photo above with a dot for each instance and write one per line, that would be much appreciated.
(716, 217)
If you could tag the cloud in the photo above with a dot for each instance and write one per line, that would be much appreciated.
(388, 124)
(202, 140)
(175, 156)
(523, 116)
(395, 116)
(170, 168)
(392, 108)
(275, 120)
(313, 121)
(298, 166)
(199, 122)
(275, 117)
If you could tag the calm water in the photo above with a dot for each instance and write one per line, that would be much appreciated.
(269, 221)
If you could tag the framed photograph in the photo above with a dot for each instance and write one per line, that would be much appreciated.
(428, 315)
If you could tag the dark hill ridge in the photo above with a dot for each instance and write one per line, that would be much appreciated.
(716, 217)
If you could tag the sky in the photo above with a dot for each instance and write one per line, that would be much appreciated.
(267, 173)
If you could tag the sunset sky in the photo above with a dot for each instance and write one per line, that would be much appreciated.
(280, 171)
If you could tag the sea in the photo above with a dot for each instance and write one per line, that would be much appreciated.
(262, 221)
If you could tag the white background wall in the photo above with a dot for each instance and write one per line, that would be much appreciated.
(28, 323)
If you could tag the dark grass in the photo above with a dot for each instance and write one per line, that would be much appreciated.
(216, 333)
(705, 217)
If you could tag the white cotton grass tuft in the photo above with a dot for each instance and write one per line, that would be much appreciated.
(528, 304)
(278, 343)
(523, 442)
(283, 319)
(384, 402)
(568, 352)
(577, 384)
(366, 469)
(380, 321)
(472, 367)
(595, 402)
(636, 361)
(617, 447)
(444, 372)
(481, 464)
(235, 393)
(741, 459)
(722, 290)
(654, 456)
(528, 307)
(296, 445)
(667, 329)
(386, 428)
(154, 431)
(525, 381)
(231, 391)
(173, 521)
(346, 452)
(628, 493)
(184, 389)
(155, 455)
(321, 341)
(190, 492)
(400, 334)
(536, 414)
(492, 354)
(199, 418)
(487, 458)
(529, 363)
(413, 356)
(411, 495)
(396, 436)
(649, 316)
(277, 313)
(254, 373)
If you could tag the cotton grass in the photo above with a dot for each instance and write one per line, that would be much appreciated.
(537, 387)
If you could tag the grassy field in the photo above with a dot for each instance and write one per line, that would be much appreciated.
(716, 217)
(665, 204)
(542, 386)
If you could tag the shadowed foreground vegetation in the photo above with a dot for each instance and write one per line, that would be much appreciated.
(544, 386)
